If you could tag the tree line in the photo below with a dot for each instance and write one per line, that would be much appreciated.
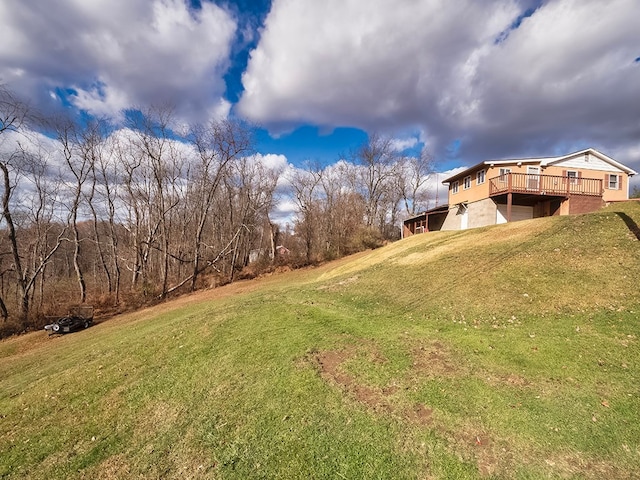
(358, 202)
(120, 217)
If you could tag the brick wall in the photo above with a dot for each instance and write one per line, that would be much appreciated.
(584, 204)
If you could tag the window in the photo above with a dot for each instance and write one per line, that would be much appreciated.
(467, 182)
(454, 187)
(573, 176)
(533, 178)
(614, 182)
(503, 174)
(480, 177)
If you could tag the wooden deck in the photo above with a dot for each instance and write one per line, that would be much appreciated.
(551, 185)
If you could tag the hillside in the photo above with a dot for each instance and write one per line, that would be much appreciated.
(502, 352)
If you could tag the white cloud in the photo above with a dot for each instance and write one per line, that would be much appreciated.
(102, 101)
(565, 76)
(284, 212)
(119, 54)
(484, 74)
(474, 79)
(402, 144)
(364, 63)
(271, 161)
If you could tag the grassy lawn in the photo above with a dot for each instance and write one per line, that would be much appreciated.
(502, 352)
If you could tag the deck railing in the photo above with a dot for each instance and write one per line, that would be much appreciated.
(544, 185)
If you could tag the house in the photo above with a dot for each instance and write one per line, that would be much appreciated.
(499, 191)
(428, 221)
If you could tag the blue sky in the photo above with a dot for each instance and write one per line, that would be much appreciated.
(467, 80)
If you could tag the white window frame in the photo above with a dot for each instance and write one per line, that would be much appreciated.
(466, 182)
(455, 187)
(533, 177)
(572, 175)
(481, 173)
(617, 182)
(503, 173)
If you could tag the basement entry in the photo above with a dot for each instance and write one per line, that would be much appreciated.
(518, 212)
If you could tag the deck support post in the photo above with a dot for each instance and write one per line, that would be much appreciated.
(509, 202)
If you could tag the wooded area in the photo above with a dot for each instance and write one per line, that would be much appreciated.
(124, 216)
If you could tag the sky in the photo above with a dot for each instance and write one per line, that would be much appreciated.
(466, 80)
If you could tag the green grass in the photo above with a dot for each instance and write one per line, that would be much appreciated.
(503, 352)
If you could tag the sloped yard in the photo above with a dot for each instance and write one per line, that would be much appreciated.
(503, 352)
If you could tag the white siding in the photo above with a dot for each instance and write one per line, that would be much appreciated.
(593, 163)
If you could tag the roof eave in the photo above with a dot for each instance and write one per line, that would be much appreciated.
(598, 154)
(463, 173)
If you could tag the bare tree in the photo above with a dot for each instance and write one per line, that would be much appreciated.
(106, 180)
(305, 184)
(412, 179)
(78, 158)
(13, 115)
(9, 185)
(26, 275)
(336, 191)
(159, 166)
(218, 146)
(13, 112)
(92, 148)
(136, 198)
(173, 208)
(41, 204)
(251, 191)
(374, 177)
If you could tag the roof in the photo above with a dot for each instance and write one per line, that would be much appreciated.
(438, 209)
(592, 151)
(543, 161)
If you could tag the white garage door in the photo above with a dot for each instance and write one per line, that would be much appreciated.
(518, 212)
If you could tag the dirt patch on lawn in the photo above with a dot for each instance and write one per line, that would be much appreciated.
(432, 360)
(429, 361)
(493, 455)
(435, 360)
(330, 364)
(420, 414)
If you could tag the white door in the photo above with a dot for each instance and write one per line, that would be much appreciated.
(464, 219)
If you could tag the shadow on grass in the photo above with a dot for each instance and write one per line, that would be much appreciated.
(631, 224)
